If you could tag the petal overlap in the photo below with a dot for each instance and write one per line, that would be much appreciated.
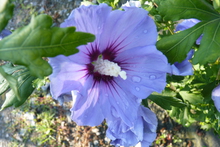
(127, 42)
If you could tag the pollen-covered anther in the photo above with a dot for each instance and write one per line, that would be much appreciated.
(108, 68)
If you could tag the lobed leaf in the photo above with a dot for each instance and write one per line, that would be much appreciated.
(191, 97)
(38, 83)
(27, 45)
(176, 47)
(166, 102)
(6, 13)
(216, 5)
(8, 80)
(19, 79)
(182, 115)
(179, 9)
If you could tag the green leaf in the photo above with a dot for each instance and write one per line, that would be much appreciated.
(5, 72)
(4, 85)
(6, 12)
(38, 83)
(186, 118)
(112, 3)
(21, 85)
(182, 115)
(87, 3)
(206, 126)
(216, 4)
(116, 2)
(27, 45)
(217, 116)
(176, 47)
(191, 97)
(11, 81)
(179, 9)
(166, 101)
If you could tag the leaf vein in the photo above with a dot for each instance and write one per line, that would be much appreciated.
(193, 31)
(36, 47)
(196, 9)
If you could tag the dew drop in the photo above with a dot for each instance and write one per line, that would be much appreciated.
(117, 103)
(99, 27)
(152, 77)
(137, 88)
(138, 101)
(114, 112)
(125, 102)
(106, 95)
(145, 31)
(136, 79)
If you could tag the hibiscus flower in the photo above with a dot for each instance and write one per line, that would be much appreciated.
(117, 70)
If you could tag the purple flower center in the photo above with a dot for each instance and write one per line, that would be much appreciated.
(102, 66)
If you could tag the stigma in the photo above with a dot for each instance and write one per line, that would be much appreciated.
(108, 68)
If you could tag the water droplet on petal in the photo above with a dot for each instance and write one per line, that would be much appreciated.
(152, 77)
(117, 103)
(114, 112)
(106, 95)
(137, 88)
(99, 27)
(145, 31)
(125, 102)
(136, 79)
(138, 100)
